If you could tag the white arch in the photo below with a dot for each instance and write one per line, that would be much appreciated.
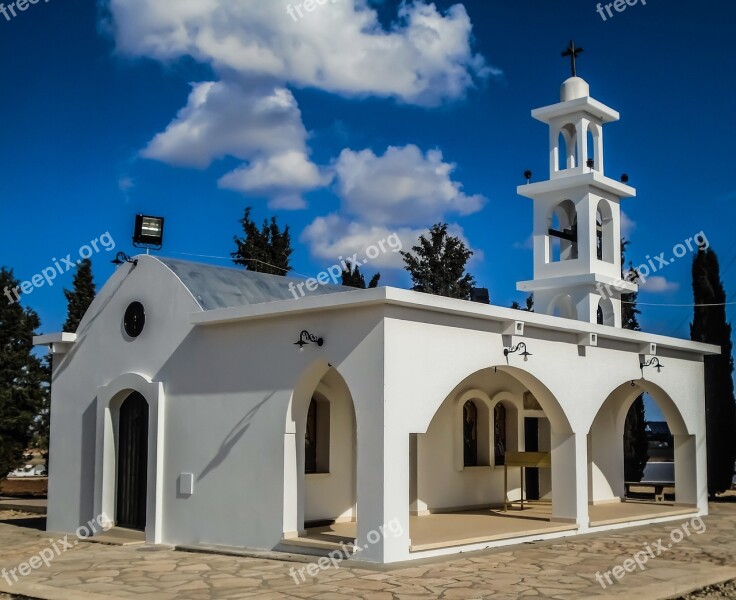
(605, 447)
(109, 399)
(310, 383)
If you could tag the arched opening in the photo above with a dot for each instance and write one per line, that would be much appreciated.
(606, 314)
(132, 463)
(604, 232)
(320, 449)
(563, 306)
(470, 434)
(503, 411)
(317, 437)
(562, 234)
(499, 434)
(608, 487)
(568, 147)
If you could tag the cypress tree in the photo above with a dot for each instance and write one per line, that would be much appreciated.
(352, 277)
(23, 378)
(80, 296)
(710, 326)
(437, 264)
(264, 250)
(636, 442)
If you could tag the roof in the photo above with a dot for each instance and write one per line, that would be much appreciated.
(226, 287)
(658, 427)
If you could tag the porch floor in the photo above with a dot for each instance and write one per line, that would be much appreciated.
(635, 510)
(445, 530)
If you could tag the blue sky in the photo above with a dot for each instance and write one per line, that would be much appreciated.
(114, 109)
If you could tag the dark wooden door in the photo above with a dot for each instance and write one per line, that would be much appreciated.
(531, 444)
(132, 462)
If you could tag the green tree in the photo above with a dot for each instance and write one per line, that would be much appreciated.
(265, 250)
(636, 442)
(352, 277)
(711, 327)
(529, 304)
(80, 296)
(23, 379)
(437, 264)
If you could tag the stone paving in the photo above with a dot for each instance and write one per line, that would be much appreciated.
(554, 569)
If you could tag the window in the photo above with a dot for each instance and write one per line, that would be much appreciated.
(499, 433)
(310, 440)
(470, 434)
(134, 319)
(317, 437)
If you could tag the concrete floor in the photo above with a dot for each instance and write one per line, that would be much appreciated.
(445, 530)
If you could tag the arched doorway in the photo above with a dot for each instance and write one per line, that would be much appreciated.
(320, 455)
(132, 463)
(607, 482)
(465, 476)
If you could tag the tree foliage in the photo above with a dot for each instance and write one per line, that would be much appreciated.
(636, 442)
(23, 378)
(352, 277)
(528, 304)
(80, 296)
(264, 250)
(711, 327)
(437, 264)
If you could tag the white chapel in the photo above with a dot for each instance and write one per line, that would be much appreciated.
(206, 406)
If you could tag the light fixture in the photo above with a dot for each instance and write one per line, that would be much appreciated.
(624, 178)
(652, 362)
(149, 232)
(521, 346)
(591, 163)
(528, 175)
(307, 338)
(122, 257)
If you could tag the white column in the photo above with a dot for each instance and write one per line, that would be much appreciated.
(383, 491)
(570, 478)
(686, 472)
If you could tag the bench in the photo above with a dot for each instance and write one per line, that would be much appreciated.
(657, 485)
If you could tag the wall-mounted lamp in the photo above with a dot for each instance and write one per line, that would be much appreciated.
(520, 347)
(307, 338)
(122, 257)
(652, 362)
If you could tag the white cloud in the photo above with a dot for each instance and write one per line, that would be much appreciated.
(333, 236)
(404, 186)
(226, 119)
(260, 125)
(627, 225)
(257, 51)
(657, 284)
(424, 57)
(527, 244)
(125, 184)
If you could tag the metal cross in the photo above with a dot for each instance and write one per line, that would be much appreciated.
(573, 53)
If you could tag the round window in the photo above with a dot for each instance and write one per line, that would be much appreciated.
(135, 319)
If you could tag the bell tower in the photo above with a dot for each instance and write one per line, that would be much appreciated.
(577, 213)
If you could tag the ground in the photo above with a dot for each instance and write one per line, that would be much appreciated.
(555, 569)
(24, 487)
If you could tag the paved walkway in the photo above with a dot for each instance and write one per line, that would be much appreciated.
(564, 569)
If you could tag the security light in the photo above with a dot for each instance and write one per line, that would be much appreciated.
(149, 232)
